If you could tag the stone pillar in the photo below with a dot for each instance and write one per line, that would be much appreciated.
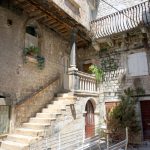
(73, 50)
(73, 82)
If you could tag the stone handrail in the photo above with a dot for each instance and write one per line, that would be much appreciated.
(38, 91)
(81, 82)
(36, 101)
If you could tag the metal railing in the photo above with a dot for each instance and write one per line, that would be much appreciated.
(76, 140)
(119, 144)
(122, 20)
(70, 140)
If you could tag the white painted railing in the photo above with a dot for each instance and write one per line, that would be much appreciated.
(81, 82)
(71, 140)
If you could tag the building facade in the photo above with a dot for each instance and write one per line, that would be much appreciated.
(46, 49)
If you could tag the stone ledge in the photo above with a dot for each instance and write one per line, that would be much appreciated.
(82, 93)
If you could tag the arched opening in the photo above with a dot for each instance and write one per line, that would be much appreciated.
(32, 34)
(89, 120)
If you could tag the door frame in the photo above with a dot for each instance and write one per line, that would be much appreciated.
(92, 119)
(142, 128)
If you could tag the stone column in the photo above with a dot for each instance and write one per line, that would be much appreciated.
(72, 71)
(73, 50)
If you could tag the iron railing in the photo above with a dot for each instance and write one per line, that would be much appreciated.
(77, 140)
(124, 20)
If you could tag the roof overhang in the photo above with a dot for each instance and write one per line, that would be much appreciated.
(53, 17)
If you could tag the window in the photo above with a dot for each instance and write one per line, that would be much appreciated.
(32, 35)
(137, 64)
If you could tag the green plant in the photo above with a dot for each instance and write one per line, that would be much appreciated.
(97, 71)
(35, 52)
(104, 49)
(31, 50)
(124, 115)
(41, 62)
(139, 91)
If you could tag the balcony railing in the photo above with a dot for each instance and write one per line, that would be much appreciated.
(138, 15)
(82, 83)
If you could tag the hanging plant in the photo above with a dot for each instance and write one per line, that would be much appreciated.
(41, 62)
(98, 72)
(31, 50)
(33, 53)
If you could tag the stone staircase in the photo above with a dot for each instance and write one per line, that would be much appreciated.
(35, 129)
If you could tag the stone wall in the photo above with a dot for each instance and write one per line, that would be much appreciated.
(20, 78)
(17, 78)
(35, 103)
(84, 15)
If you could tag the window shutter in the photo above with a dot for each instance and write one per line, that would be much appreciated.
(137, 64)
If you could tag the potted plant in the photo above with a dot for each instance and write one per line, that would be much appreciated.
(31, 51)
(32, 54)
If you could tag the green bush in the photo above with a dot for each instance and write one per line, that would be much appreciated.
(97, 71)
(124, 115)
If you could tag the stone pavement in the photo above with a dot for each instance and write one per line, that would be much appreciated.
(144, 146)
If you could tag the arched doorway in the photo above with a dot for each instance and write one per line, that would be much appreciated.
(89, 120)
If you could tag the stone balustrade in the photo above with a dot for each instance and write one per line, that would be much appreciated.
(81, 82)
(120, 21)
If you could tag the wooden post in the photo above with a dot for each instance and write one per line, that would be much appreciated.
(126, 138)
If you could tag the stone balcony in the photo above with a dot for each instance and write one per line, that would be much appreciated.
(124, 20)
(82, 83)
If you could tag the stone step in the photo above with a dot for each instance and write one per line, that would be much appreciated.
(21, 138)
(9, 145)
(43, 120)
(35, 125)
(51, 111)
(59, 106)
(64, 94)
(62, 102)
(29, 132)
(46, 115)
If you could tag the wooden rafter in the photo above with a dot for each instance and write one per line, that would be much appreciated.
(51, 16)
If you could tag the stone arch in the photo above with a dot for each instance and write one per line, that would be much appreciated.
(93, 101)
(32, 33)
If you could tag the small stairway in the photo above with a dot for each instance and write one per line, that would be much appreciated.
(34, 130)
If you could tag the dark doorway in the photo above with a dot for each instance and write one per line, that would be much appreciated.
(145, 112)
(89, 120)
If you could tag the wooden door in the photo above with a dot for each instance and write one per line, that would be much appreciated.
(89, 120)
(145, 112)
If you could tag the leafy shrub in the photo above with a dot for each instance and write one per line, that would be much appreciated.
(98, 72)
(124, 115)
